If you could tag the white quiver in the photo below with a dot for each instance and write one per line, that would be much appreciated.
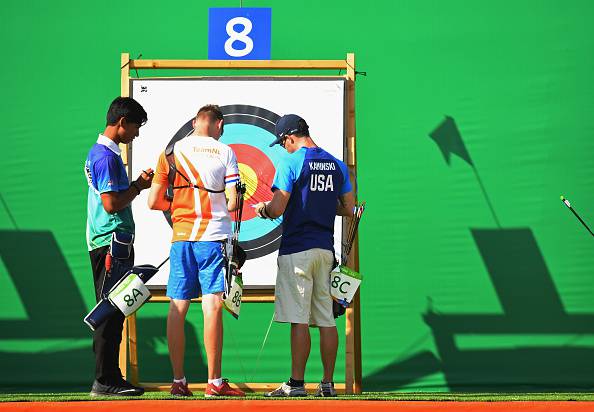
(344, 283)
(129, 294)
(232, 301)
(235, 257)
(233, 282)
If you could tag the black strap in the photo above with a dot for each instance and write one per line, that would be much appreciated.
(170, 156)
(236, 257)
(171, 174)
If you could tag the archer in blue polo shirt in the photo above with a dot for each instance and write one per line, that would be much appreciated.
(109, 211)
(105, 173)
(310, 189)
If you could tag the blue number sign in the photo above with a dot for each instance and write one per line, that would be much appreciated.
(239, 33)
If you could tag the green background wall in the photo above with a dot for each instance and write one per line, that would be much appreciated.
(467, 287)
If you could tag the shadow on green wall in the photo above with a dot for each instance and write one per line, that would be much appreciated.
(50, 348)
(533, 345)
(153, 355)
(539, 340)
(528, 347)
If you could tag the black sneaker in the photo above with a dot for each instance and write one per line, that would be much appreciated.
(119, 387)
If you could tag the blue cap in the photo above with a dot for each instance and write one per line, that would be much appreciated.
(286, 125)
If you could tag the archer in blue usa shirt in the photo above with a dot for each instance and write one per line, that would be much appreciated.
(315, 179)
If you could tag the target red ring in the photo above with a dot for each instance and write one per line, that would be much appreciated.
(259, 190)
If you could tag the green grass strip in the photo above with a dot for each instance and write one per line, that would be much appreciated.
(377, 396)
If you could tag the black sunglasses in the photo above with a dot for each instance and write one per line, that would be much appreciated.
(284, 136)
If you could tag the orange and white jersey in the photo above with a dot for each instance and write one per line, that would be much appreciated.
(199, 215)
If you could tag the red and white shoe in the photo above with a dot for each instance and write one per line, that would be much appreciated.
(223, 390)
(179, 389)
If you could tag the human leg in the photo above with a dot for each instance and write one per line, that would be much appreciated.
(212, 309)
(176, 339)
(300, 348)
(107, 337)
(328, 350)
(321, 312)
(210, 260)
(182, 286)
(292, 305)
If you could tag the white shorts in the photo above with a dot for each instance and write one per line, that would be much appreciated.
(302, 293)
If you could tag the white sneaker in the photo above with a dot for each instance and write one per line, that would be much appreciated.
(285, 390)
(326, 390)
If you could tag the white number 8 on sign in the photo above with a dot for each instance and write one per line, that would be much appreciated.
(239, 36)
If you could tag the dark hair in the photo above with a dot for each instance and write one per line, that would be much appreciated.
(127, 108)
(212, 111)
(302, 129)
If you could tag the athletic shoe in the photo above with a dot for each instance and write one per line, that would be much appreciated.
(119, 387)
(285, 391)
(180, 389)
(223, 390)
(326, 389)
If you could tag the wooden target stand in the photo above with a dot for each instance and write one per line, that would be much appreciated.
(128, 349)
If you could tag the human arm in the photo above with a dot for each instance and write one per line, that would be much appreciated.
(276, 207)
(231, 181)
(346, 198)
(282, 186)
(156, 198)
(345, 205)
(114, 201)
(232, 203)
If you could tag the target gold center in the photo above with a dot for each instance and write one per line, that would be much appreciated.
(250, 178)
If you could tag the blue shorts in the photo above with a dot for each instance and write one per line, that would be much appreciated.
(196, 268)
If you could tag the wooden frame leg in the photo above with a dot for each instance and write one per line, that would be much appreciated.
(133, 346)
(353, 374)
(124, 350)
(349, 378)
(357, 345)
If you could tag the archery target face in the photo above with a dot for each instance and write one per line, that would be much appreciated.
(251, 108)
